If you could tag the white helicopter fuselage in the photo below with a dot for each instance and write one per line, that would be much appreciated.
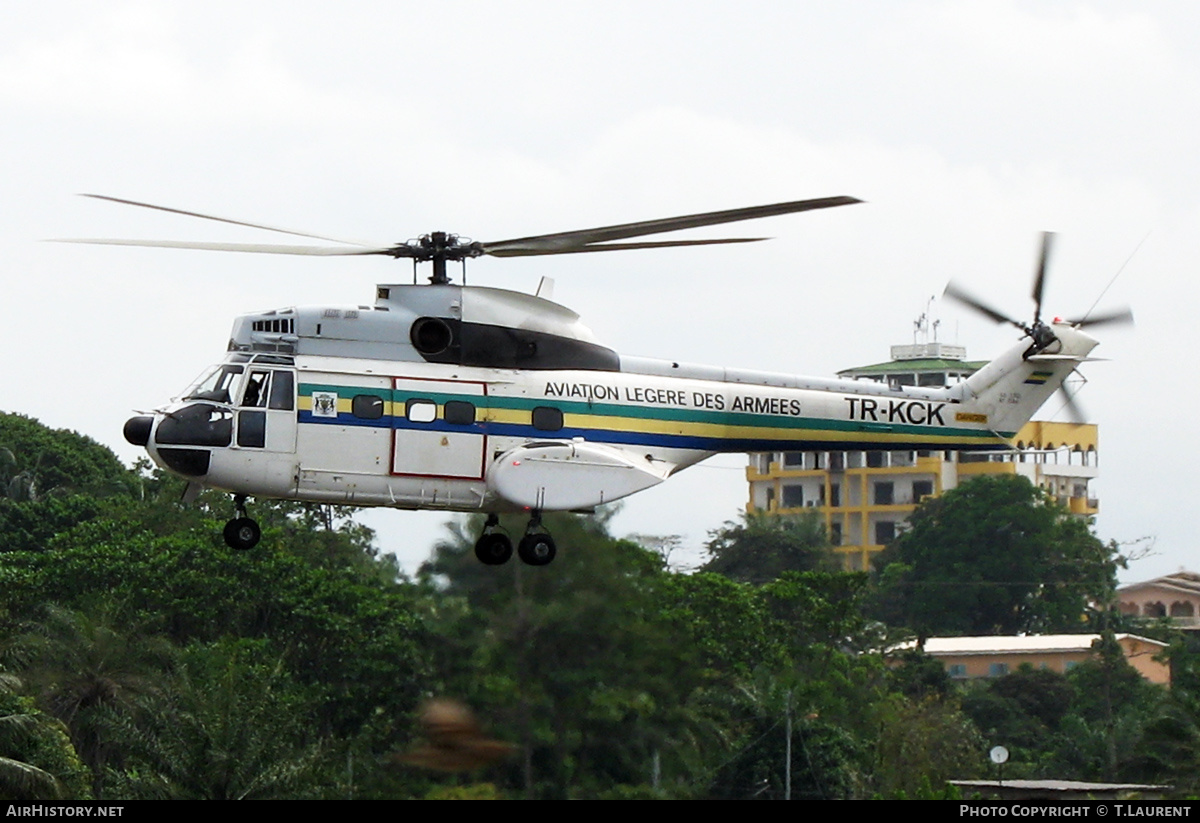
(473, 399)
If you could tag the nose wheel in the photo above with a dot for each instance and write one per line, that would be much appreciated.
(241, 533)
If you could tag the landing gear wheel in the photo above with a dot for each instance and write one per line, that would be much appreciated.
(242, 534)
(493, 549)
(537, 549)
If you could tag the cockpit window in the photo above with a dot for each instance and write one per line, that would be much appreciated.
(283, 391)
(214, 385)
(254, 394)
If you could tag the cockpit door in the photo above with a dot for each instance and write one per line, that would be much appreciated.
(266, 416)
(438, 428)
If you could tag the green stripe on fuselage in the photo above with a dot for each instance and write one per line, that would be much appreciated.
(637, 412)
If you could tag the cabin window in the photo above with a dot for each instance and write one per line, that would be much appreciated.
(420, 411)
(458, 412)
(367, 406)
(547, 419)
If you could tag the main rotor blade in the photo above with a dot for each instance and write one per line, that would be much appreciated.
(569, 241)
(1116, 317)
(967, 299)
(224, 220)
(1039, 278)
(517, 251)
(260, 248)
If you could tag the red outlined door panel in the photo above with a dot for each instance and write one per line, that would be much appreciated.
(438, 431)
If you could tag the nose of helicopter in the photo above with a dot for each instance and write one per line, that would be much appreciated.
(137, 429)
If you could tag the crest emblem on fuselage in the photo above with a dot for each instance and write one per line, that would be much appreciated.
(324, 404)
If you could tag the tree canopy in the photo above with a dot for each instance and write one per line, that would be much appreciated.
(761, 547)
(994, 556)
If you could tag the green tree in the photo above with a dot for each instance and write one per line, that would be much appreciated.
(584, 662)
(82, 667)
(763, 546)
(36, 461)
(37, 761)
(1024, 711)
(994, 556)
(924, 743)
(228, 725)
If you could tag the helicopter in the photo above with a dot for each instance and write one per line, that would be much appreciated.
(476, 399)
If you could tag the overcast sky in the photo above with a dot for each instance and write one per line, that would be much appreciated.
(968, 128)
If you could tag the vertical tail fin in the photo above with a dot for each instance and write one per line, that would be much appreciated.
(1011, 388)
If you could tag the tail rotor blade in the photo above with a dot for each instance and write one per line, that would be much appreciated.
(963, 296)
(1039, 277)
(1072, 406)
(1116, 317)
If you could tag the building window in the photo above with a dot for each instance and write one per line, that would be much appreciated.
(793, 460)
(997, 669)
(957, 670)
(835, 495)
(884, 493)
(885, 532)
(835, 534)
(793, 497)
(922, 488)
(875, 460)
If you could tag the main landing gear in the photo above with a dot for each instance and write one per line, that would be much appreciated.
(241, 533)
(494, 548)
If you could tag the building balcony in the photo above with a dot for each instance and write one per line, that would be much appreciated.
(1083, 505)
(974, 469)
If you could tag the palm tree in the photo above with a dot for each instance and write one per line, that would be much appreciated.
(82, 667)
(27, 734)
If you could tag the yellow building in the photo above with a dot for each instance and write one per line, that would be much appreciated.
(972, 657)
(866, 497)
